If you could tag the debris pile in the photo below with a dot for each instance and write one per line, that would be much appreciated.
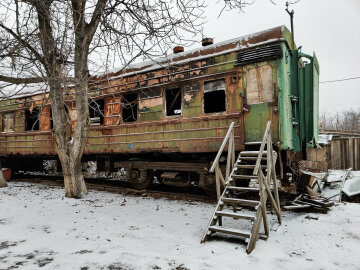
(346, 184)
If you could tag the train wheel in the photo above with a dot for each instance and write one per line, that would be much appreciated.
(140, 179)
(210, 187)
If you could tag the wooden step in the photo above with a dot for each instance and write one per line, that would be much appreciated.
(241, 176)
(234, 215)
(253, 143)
(240, 201)
(242, 188)
(251, 158)
(248, 166)
(252, 153)
(231, 231)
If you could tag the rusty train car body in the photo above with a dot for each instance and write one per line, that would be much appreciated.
(168, 118)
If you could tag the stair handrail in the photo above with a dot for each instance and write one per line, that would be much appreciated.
(270, 172)
(262, 147)
(229, 137)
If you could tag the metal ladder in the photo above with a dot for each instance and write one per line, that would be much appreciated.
(232, 204)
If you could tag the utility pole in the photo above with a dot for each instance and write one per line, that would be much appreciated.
(291, 13)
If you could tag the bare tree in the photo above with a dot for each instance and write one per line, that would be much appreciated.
(344, 120)
(50, 42)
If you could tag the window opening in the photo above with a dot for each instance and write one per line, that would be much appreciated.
(173, 99)
(8, 122)
(96, 112)
(32, 119)
(214, 96)
(129, 107)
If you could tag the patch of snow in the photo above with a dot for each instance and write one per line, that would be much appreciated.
(325, 138)
(352, 187)
(42, 229)
(9, 91)
(336, 175)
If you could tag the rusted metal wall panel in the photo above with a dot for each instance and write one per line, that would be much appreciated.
(45, 118)
(201, 135)
(151, 105)
(112, 110)
(192, 100)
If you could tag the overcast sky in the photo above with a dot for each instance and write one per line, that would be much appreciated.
(330, 28)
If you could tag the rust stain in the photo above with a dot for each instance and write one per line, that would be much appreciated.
(45, 119)
(188, 97)
(151, 102)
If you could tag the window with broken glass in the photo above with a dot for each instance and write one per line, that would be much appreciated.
(8, 122)
(173, 101)
(96, 112)
(215, 96)
(32, 119)
(129, 104)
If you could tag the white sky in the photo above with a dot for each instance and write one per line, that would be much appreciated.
(328, 27)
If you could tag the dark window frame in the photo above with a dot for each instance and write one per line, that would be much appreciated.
(205, 93)
(126, 107)
(181, 97)
(94, 106)
(35, 125)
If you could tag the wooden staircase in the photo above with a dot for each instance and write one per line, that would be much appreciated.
(246, 178)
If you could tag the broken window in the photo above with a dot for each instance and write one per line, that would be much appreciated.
(32, 119)
(259, 87)
(8, 122)
(96, 112)
(129, 107)
(214, 96)
(173, 99)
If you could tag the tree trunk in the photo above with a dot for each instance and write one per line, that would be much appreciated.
(2, 179)
(70, 143)
(73, 177)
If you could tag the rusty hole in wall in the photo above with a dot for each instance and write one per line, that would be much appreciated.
(96, 112)
(32, 119)
(129, 107)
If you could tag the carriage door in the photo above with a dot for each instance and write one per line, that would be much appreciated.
(260, 104)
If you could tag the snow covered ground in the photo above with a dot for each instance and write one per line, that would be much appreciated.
(39, 228)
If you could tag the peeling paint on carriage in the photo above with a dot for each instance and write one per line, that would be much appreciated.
(193, 131)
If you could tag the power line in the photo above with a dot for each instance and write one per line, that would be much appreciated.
(340, 80)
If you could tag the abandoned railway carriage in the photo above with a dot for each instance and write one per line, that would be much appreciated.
(168, 118)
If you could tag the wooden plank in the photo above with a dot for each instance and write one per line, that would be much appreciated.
(242, 188)
(254, 232)
(262, 147)
(229, 162)
(240, 201)
(242, 176)
(263, 200)
(221, 177)
(217, 182)
(235, 215)
(231, 231)
(217, 158)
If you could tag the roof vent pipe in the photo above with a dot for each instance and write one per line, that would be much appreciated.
(207, 41)
(178, 49)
